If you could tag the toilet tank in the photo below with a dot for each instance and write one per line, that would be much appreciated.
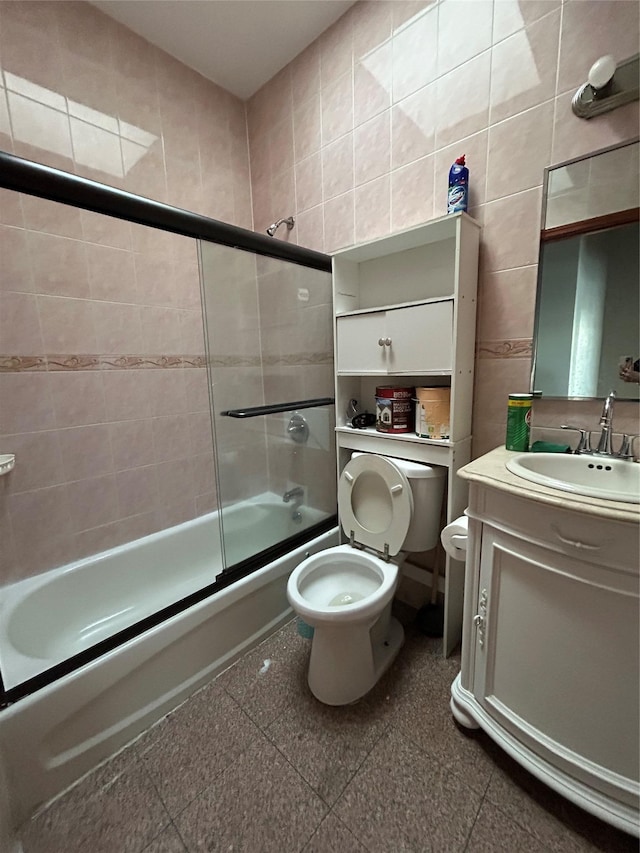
(427, 487)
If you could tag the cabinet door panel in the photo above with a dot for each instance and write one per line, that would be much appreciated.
(421, 338)
(358, 350)
(558, 653)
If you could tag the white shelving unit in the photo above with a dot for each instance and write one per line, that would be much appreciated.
(405, 313)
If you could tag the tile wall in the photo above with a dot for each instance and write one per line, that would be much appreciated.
(103, 392)
(355, 137)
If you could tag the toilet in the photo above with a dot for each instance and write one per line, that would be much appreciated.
(387, 507)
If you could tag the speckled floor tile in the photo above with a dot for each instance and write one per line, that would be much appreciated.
(117, 808)
(168, 841)
(400, 774)
(203, 736)
(494, 832)
(423, 714)
(401, 800)
(550, 818)
(332, 835)
(328, 744)
(271, 677)
(259, 803)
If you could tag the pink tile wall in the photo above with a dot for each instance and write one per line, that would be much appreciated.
(107, 452)
(375, 111)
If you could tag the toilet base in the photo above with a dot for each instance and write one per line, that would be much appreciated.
(346, 662)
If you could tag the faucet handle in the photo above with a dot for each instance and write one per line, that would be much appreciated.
(626, 446)
(584, 442)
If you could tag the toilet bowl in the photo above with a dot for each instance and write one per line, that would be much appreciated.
(346, 592)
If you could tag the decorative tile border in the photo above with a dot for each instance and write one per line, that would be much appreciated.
(76, 363)
(519, 348)
(22, 363)
(287, 359)
(69, 363)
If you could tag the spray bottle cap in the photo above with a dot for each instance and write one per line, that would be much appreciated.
(460, 160)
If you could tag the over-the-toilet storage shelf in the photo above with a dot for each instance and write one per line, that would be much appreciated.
(405, 313)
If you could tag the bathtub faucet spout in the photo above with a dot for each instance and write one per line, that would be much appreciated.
(296, 492)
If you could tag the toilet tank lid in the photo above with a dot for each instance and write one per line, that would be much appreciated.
(413, 470)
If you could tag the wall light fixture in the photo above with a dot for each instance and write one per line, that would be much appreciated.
(608, 86)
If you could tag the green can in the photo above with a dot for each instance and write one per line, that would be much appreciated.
(518, 421)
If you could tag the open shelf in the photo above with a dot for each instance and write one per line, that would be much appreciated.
(395, 436)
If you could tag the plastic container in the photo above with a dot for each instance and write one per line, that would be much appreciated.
(458, 195)
(394, 409)
(518, 422)
(433, 407)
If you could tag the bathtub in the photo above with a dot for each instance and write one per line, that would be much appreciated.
(84, 717)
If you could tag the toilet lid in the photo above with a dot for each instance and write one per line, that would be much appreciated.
(375, 502)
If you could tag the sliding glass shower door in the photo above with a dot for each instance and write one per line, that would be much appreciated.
(270, 359)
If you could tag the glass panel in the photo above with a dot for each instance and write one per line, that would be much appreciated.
(105, 406)
(269, 336)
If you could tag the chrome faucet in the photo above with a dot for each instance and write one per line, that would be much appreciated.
(604, 447)
(296, 492)
(606, 422)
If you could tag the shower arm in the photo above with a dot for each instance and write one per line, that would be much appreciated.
(289, 222)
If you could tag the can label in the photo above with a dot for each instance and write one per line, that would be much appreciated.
(518, 422)
(393, 415)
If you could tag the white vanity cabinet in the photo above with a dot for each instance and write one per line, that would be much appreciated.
(405, 314)
(550, 657)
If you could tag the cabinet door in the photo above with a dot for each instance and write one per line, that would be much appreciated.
(421, 338)
(417, 339)
(556, 655)
(358, 350)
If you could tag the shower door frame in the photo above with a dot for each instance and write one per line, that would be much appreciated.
(46, 182)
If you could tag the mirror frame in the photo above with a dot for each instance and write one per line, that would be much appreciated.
(573, 229)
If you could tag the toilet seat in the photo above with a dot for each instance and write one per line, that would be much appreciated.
(375, 503)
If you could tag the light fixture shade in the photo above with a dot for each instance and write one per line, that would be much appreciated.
(601, 72)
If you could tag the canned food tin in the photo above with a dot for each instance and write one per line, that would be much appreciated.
(518, 421)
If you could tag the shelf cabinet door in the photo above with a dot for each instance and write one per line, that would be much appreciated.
(416, 339)
(421, 338)
(358, 350)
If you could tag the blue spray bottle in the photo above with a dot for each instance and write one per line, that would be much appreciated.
(458, 195)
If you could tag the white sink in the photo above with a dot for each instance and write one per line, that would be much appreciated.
(595, 476)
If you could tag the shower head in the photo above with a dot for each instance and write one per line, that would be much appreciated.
(289, 222)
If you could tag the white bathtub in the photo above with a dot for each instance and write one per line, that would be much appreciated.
(55, 735)
(47, 619)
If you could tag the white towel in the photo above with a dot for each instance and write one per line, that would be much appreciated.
(454, 538)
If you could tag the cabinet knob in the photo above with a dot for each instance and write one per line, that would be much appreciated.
(380, 342)
(387, 342)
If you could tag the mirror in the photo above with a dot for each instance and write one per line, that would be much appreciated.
(587, 329)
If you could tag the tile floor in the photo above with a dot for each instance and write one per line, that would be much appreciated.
(252, 762)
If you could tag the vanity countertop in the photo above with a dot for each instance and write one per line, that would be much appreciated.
(491, 470)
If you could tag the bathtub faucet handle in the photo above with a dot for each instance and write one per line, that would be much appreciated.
(296, 492)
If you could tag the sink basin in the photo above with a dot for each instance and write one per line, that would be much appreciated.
(595, 476)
